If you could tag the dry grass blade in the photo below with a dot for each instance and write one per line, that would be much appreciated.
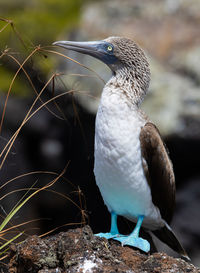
(12, 82)
(7, 21)
(12, 139)
(11, 240)
(4, 27)
(17, 34)
(6, 229)
(19, 225)
(81, 75)
(27, 117)
(4, 257)
(11, 23)
(66, 57)
(68, 224)
(16, 209)
(57, 106)
(26, 174)
(31, 83)
(83, 211)
(33, 188)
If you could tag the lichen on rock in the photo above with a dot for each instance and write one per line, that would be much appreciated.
(78, 250)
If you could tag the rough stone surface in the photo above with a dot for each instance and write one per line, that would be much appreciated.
(79, 250)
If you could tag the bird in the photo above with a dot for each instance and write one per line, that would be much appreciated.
(131, 162)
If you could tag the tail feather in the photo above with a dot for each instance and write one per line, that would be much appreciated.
(167, 236)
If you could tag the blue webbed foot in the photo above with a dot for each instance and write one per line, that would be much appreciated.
(133, 239)
(113, 230)
(107, 235)
(135, 242)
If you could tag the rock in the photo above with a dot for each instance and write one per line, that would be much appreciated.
(79, 250)
(171, 101)
(186, 61)
(169, 32)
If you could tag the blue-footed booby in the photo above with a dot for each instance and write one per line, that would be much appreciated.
(132, 167)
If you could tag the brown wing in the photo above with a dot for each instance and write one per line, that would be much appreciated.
(158, 170)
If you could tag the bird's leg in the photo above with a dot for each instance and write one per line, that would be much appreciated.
(133, 239)
(114, 232)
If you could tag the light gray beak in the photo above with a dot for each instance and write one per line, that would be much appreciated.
(97, 49)
(89, 48)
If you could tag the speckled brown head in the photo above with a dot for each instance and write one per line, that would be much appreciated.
(130, 61)
(125, 58)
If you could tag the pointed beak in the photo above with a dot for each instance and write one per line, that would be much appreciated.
(89, 48)
(95, 49)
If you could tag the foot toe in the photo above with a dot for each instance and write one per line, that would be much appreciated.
(107, 235)
(135, 242)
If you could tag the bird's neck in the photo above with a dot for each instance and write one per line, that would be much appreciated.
(118, 99)
(128, 87)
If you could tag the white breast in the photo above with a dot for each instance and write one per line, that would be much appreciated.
(118, 163)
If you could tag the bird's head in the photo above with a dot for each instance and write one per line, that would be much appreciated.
(125, 58)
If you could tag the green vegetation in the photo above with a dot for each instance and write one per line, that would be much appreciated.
(26, 24)
(39, 21)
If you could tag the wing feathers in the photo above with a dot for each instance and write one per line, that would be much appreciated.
(158, 170)
(160, 176)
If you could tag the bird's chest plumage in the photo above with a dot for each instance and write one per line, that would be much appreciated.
(118, 163)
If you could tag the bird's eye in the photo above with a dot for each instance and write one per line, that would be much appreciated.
(109, 48)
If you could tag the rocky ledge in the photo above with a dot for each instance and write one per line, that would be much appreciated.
(78, 250)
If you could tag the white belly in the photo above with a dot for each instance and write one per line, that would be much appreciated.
(118, 165)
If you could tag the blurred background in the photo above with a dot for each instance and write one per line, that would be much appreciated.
(63, 132)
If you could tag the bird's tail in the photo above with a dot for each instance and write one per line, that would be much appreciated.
(167, 236)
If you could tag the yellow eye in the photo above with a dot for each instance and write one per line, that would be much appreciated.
(109, 48)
